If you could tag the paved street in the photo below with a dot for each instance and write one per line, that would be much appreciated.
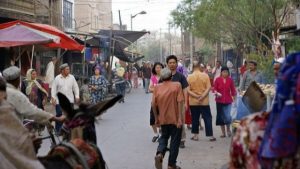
(124, 137)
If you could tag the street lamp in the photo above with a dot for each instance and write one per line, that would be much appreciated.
(133, 16)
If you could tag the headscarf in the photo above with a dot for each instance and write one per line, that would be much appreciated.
(98, 67)
(31, 82)
(282, 135)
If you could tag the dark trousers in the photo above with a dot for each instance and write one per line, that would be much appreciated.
(58, 110)
(58, 125)
(144, 83)
(204, 111)
(168, 131)
(121, 89)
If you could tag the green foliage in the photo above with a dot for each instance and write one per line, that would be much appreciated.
(293, 45)
(234, 22)
(206, 52)
(264, 65)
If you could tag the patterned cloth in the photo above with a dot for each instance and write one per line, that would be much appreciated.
(282, 135)
(100, 85)
(246, 143)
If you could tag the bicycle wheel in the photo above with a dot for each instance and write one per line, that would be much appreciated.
(128, 86)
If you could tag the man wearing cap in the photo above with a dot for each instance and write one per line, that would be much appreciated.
(251, 75)
(66, 84)
(24, 108)
(168, 98)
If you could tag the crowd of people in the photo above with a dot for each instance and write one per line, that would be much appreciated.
(181, 98)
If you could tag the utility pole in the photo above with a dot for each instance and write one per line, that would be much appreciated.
(170, 39)
(191, 50)
(160, 47)
(120, 19)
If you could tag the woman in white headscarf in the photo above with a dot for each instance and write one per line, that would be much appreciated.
(33, 89)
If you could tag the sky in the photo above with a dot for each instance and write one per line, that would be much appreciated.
(157, 17)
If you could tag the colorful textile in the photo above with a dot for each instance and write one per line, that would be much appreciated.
(246, 141)
(282, 135)
(97, 92)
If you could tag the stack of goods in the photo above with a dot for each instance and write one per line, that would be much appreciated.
(268, 89)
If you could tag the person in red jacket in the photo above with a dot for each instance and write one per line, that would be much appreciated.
(225, 94)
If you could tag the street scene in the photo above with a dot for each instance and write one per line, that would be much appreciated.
(149, 84)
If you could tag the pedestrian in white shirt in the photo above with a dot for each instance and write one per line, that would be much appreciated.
(24, 108)
(50, 72)
(66, 84)
(217, 70)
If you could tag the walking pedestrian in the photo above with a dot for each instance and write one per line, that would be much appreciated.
(66, 84)
(199, 87)
(24, 108)
(217, 70)
(50, 73)
(135, 78)
(178, 77)
(225, 94)
(168, 98)
(251, 75)
(33, 89)
(155, 77)
(142, 72)
(120, 81)
(36, 93)
(147, 76)
(97, 86)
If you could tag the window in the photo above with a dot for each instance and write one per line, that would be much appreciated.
(67, 14)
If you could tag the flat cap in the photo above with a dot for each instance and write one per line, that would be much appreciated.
(11, 73)
(61, 67)
(165, 73)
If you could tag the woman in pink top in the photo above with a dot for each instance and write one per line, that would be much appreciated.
(225, 94)
(153, 82)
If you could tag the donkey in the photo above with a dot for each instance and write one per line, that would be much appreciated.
(80, 131)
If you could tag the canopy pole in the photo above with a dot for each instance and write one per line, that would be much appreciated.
(20, 65)
(31, 60)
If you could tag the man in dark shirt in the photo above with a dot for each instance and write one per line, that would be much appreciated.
(178, 77)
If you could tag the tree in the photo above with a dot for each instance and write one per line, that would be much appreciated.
(236, 22)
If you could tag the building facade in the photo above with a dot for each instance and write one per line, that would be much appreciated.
(92, 15)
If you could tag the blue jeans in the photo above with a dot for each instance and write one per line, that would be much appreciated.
(121, 88)
(223, 114)
(147, 83)
(204, 111)
(168, 131)
(58, 125)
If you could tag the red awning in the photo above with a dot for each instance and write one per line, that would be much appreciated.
(65, 41)
(19, 35)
